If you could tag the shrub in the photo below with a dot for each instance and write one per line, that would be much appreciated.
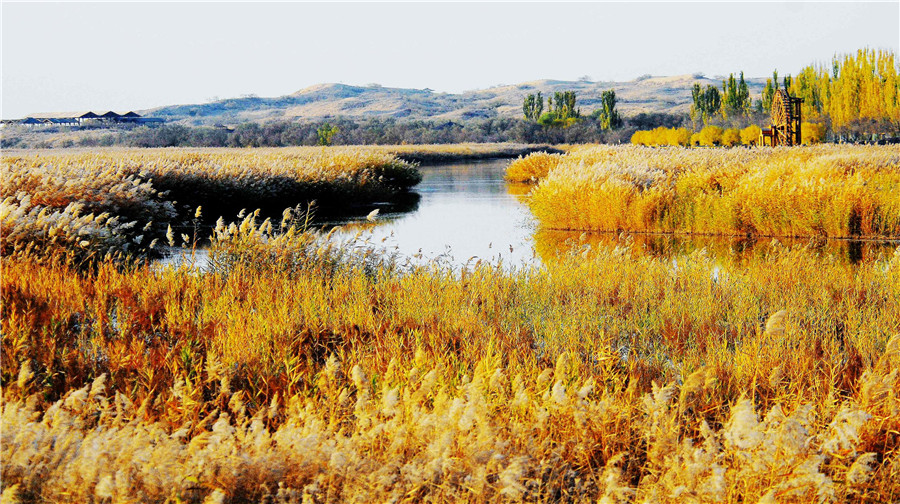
(750, 135)
(731, 137)
(812, 133)
(710, 136)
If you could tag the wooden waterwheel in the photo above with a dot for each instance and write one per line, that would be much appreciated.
(786, 120)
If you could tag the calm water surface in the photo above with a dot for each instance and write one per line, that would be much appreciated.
(466, 213)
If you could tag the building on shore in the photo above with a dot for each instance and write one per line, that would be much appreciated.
(84, 118)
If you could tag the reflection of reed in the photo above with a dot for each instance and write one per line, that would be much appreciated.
(403, 203)
(520, 191)
(550, 245)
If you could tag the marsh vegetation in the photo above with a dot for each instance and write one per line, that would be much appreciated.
(301, 368)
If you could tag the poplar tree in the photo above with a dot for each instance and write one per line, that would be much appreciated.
(707, 103)
(858, 93)
(736, 97)
(609, 117)
(768, 93)
(565, 105)
(533, 106)
(528, 107)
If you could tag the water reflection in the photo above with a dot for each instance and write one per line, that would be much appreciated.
(330, 216)
(551, 244)
(467, 212)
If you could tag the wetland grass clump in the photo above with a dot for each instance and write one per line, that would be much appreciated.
(117, 198)
(531, 168)
(823, 191)
(300, 370)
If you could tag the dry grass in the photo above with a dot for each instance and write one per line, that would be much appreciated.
(531, 168)
(110, 200)
(301, 369)
(304, 369)
(835, 191)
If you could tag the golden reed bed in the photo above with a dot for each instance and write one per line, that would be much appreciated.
(302, 370)
(823, 191)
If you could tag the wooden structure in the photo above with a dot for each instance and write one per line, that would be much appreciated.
(81, 118)
(786, 121)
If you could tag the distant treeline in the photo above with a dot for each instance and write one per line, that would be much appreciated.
(349, 132)
(856, 98)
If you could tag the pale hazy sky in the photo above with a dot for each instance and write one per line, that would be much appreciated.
(123, 56)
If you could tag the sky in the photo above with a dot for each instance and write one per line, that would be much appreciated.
(132, 56)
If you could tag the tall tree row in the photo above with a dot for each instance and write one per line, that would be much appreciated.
(736, 97)
(707, 103)
(562, 109)
(563, 105)
(533, 106)
(859, 93)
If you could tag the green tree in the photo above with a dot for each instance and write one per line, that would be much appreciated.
(736, 97)
(563, 105)
(712, 102)
(548, 119)
(707, 103)
(326, 133)
(609, 117)
(697, 106)
(528, 107)
(533, 106)
(768, 93)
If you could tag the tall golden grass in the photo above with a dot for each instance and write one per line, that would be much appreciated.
(835, 191)
(300, 368)
(533, 167)
(110, 200)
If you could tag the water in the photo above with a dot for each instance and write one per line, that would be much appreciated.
(465, 212)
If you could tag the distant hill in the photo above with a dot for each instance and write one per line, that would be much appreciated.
(645, 94)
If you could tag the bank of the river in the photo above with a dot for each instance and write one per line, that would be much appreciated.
(452, 153)
(123, 199)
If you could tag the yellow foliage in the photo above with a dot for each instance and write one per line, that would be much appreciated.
(710, 136)
(808, 192)
(640, 137)
(300, 368)
(812, 133)
(750, 135)
(731, 137)
(278, 380)
(662, 136)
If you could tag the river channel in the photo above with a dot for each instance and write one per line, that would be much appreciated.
(466, 212)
